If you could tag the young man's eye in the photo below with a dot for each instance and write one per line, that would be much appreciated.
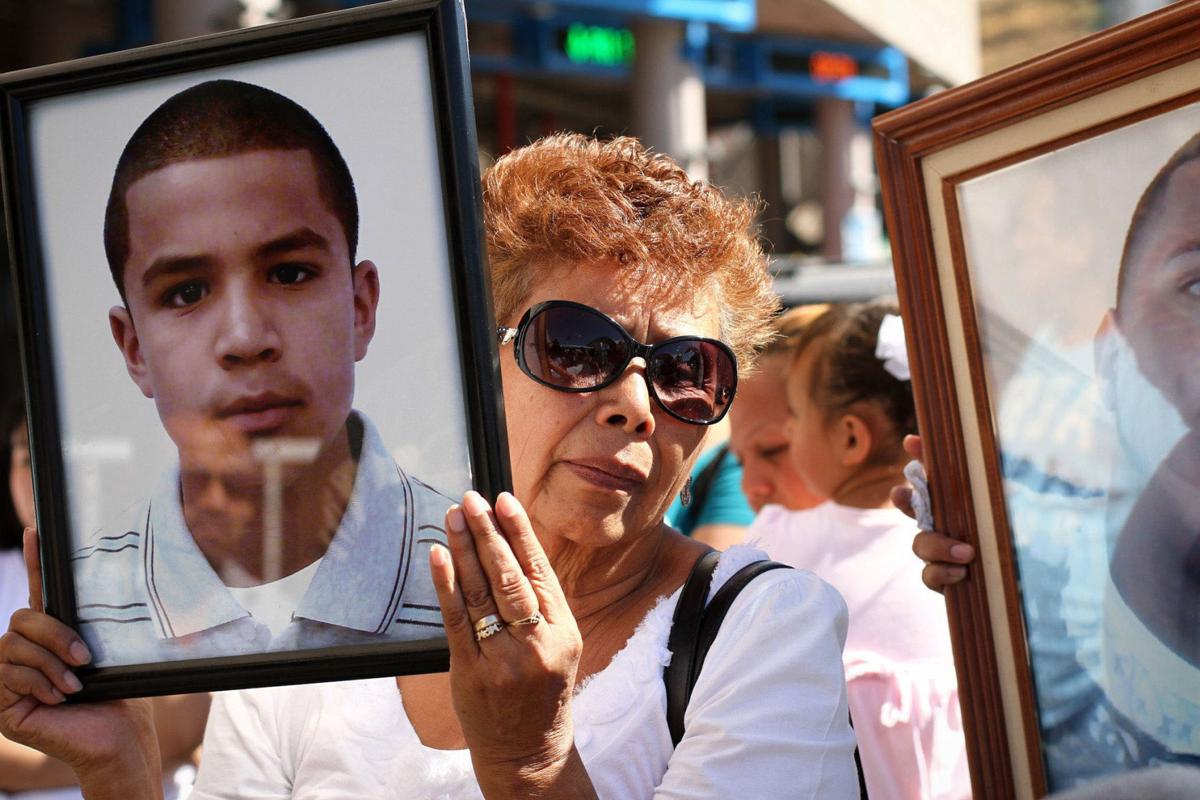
(291, 274)
(185, 294)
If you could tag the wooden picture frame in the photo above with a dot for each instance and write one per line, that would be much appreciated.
(389, 87)
(1008, 202)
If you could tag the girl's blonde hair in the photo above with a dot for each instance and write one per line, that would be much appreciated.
(846, 371)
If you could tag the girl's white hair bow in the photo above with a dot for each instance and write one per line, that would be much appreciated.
(890, 349)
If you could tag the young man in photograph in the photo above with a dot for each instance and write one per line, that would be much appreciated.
(231, 231)
(1117, 654)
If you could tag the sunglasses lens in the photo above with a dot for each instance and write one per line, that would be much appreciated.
(694, 379)
(573, 348)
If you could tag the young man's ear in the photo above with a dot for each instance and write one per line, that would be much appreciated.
(366, 301)
(853, 440)
(125, 335)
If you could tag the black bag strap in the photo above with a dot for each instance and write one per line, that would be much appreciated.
(685, 632)
(714, 615)
(694, 628)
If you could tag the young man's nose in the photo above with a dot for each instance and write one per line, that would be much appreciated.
(248, 333)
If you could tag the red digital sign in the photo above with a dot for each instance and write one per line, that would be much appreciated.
(829, 67)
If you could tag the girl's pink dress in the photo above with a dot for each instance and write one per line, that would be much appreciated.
(902, 686)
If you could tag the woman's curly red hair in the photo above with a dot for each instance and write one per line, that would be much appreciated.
(571, 199)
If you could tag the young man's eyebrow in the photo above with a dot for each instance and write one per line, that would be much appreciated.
(172, 265)
(293, 240)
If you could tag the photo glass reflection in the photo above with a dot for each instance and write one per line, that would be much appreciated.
(1084, 264)
(239, 263)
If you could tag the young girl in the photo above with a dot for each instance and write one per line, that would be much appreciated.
(850, 400)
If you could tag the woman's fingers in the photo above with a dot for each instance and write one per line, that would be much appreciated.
(37, 643)
(456, 620)
(469, 577)
(933, 546)
(509, 588)
(17, 683)
(901, 497)
(939, 576)
(945, 558)
(913, 446)
(532, 558)
(33, 569)
(34, 658)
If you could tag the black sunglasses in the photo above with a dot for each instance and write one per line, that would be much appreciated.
(575, 348)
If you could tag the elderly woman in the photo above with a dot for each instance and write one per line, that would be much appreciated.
(624, 291)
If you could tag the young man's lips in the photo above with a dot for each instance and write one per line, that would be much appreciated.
(260, 415)
(606, 474)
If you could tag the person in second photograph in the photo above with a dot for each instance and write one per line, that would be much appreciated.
(1136, 702)
(850, 398)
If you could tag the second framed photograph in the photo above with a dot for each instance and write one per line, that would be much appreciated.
(259, 345)
(1045, 231)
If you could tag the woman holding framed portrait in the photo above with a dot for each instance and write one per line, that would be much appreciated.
(632, 299)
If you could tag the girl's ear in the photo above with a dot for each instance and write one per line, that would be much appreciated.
(853, 440)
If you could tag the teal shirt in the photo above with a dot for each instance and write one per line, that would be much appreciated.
(723, 504)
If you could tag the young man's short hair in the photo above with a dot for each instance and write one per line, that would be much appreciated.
(224, 118)
(1148, 207)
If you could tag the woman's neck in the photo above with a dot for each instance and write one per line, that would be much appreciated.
(869, 486)
(594, 579)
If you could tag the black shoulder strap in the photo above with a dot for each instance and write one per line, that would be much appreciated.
(714, 615)
(685, 632)
(694, 628)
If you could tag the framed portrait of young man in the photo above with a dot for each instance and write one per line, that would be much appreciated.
(1045, 226)
(258, 343)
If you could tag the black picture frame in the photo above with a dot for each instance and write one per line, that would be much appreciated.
(441, 26)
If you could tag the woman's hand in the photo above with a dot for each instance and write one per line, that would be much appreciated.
(512, 688)
(111, 746)
(945, 558)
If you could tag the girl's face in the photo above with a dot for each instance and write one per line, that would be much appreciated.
(810, 431)
(20, 477)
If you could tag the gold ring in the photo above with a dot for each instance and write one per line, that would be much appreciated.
(491, 629)
(490, 619)
(532, 619)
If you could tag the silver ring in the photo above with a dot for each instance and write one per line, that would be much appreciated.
(532, 619)
(489, 630)
(490, 619)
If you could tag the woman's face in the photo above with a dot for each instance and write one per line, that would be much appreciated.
(20, 477)
(759, 442)
(592, 468)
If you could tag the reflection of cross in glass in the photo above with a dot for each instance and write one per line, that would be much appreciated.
(91, 455)
(273, 454)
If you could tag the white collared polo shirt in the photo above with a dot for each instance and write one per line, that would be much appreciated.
(147, 593)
